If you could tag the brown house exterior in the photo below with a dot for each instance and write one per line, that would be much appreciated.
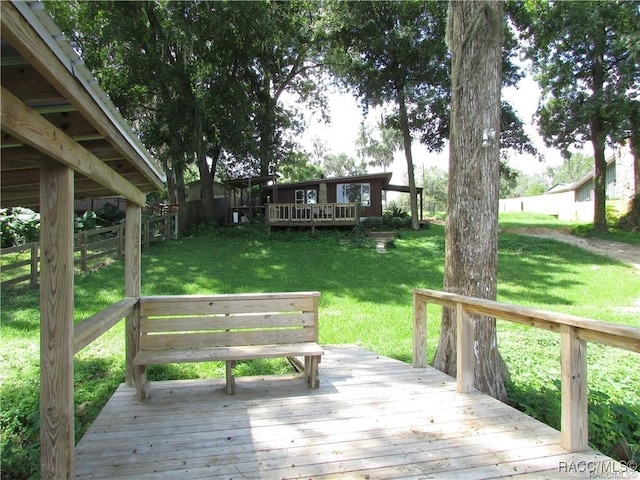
(363, 189)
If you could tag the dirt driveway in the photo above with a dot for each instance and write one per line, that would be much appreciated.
(623, 252)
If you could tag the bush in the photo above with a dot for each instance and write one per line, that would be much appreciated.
(630, 221)
(373, 224)
(396, 217)
(19, 226)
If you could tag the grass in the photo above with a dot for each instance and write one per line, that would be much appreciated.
(366, 299)
(538, 220)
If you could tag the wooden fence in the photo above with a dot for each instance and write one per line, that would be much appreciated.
(574, 333)
(22, 263)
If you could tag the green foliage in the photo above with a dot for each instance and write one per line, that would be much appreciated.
(298, 169)
(205, 81)
(373, 224)
(86, 221)
(630, 221)
(396, 217)
(435, 181)
(581, 55)
(378, 150)
(572, 169)
(342, 165)
(19, 226)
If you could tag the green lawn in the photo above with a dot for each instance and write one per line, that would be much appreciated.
(366, 299)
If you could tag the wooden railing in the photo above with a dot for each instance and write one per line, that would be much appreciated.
(313, 213)
(89, 246)
(574, 332)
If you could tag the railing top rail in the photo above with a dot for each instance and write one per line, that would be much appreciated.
(228, 296)
(621, 336)
(319, 204)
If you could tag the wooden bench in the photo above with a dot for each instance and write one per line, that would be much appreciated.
(199, 328)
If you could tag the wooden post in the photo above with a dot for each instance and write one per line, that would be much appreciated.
(465, 354)
(120, 236)
(83, 251)
(574, 411)
(176, 225)
(146, 233)
(34, 265)
(56, 322)
(419, 331)
(132, 285)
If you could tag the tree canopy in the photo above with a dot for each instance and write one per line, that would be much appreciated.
(203, 81)
(393, 54)
(586, 59)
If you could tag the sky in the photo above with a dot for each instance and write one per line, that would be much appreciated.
(346, 117)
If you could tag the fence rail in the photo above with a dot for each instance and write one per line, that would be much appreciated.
(312, 214)
(574, 332)
(89, 246)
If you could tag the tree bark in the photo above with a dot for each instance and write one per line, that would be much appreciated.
(475, 39)
(406, 138)
(598, 139)
(634, 144)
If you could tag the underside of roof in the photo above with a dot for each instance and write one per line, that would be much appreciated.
(53, 110)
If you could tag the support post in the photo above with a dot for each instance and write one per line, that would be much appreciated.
(419, 332)
(465, 355)
(132, 245)
(574, 410)
(57, 437)
(34, 265)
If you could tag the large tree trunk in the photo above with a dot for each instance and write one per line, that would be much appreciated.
(475, 40)
(406, 139)
(598, 140)
(634, 144)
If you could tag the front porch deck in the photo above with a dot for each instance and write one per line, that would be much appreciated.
(313, 215)
(372, 417)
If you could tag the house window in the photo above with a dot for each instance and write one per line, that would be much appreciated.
(354, 192)
(306, 196)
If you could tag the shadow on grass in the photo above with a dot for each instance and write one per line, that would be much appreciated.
(535, 270)
(613, 425)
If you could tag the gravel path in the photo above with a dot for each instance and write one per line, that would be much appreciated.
(623, 252)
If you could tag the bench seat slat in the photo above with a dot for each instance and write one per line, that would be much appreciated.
(228, 305)
(220, 339)
(149, 357)
(221, 322)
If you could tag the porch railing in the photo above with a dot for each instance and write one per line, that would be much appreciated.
(313, 214)
(574, 333)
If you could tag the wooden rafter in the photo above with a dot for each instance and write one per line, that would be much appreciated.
(23, 123)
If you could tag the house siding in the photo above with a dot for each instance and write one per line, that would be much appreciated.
(286, 193)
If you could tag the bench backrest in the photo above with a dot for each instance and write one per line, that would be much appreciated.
(200, 321)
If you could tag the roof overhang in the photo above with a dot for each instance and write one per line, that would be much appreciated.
(385, 177)
(53, 108)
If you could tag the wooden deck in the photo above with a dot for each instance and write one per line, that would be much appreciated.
(372, 418)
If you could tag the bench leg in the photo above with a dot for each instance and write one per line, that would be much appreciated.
(231, 381)
(311, 371)
(143, 387)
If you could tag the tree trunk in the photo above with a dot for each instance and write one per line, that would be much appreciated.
(207, 172)
(598, 140)
(634, 144)
(406, 138)
(475, 39)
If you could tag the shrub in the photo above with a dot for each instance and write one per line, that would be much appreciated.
(374, 224)
(630, 221)
(396, 217)
(19, 226)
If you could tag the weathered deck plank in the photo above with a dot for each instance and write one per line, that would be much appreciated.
(373, 417)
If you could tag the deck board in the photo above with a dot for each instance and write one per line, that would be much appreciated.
(372, 417)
